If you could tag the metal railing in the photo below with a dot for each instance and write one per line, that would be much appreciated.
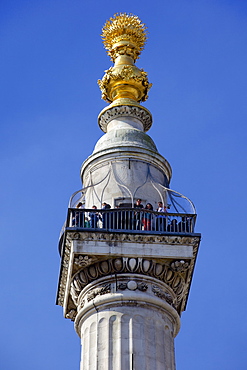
(135, 219)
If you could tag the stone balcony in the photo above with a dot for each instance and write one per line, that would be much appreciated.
(115, 242)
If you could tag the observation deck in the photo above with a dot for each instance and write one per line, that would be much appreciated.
(126, 220)
(91, 236)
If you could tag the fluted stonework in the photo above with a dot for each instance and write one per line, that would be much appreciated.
(114, 338)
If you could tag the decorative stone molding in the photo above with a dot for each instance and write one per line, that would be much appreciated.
(63, 273)
(71, 315)
(125, 289)
(83, 261)
(179, 266)
(81, 304)
(176, 280)
(176, 273)
(133, 238)
(132, 285)
(142, 114)
(163, 295)
(99, 291)
(142, 287)
(187, 285)
(76, 236)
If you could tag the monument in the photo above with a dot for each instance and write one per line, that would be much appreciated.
(126, 266)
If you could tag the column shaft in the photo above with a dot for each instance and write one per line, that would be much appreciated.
(122, 338)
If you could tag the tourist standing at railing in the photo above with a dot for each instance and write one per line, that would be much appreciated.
(147, 217)
(137, 215)
(161, 220)
(105, 216)
(173, 226)
(94, 218)
(78, 218)
(185, 225)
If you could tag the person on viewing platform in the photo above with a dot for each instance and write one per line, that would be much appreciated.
(78, 217)
(173, 226)
(147, 217)
(94, 217)
(137, 215)
(161, 220)
(105, 216)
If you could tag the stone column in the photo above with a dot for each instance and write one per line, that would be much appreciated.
(127, 322)
(125, 293)
(125, 289)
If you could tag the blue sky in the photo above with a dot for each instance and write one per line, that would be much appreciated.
(51, 58)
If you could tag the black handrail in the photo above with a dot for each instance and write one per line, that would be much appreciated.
(130, 219)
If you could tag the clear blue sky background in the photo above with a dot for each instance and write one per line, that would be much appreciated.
(51, 58)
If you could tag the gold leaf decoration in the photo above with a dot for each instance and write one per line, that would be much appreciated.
(125, 32)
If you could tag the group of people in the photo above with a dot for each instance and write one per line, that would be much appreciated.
(137, 219)
(145, 219)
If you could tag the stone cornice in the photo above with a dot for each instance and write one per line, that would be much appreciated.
(63, 273)
(169, 270)
(110, 113)
(158, 270)
(191, 239)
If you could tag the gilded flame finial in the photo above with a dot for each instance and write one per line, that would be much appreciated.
(124, 36)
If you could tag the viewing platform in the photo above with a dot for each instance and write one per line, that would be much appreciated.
(131, 236)
(126, 220)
